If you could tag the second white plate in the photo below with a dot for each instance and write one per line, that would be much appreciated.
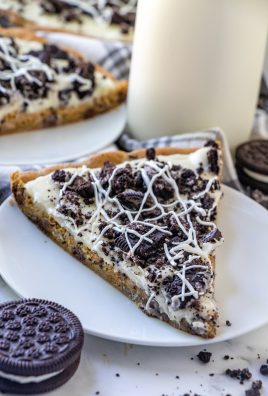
(34, 266)
(62, 143)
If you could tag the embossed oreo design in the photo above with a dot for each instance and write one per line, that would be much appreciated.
(39, 341)
(253, 155)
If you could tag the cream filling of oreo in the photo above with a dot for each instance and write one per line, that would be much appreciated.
(26, 380)
(256, 175)
(38, 190)
(103, 85)
(32, 11)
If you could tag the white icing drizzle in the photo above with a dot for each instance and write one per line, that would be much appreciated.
(23, 64)
(187, 207)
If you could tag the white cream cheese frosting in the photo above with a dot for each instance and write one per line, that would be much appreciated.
(47, 195)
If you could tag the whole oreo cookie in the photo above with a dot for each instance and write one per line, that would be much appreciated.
(40, 346)
(252, 164)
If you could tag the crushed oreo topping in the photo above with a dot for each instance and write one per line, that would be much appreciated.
(264, 369)
(150, 215)
(204, 356)
(119, 12)
(34, 74)
(240, 374)
(255, 389)
(150, 153)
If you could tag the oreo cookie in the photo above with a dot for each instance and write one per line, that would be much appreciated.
(252, 164)
(40, 346)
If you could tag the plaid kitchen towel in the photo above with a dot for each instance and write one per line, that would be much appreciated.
(115, 57)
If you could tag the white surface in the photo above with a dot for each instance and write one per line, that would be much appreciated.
(102, 359)
(62, 143)
(190, 54)
(36, 267)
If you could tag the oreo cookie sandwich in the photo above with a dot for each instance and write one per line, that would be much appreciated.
(252, 164)
(40, 346)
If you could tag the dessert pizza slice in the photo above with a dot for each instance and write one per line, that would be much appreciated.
(144, 221)
(42, 84)
(110, 19)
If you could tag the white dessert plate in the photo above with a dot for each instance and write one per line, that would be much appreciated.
(34, 266)
(62, 143)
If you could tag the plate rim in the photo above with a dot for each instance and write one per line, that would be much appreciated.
(62, 159)
(131, 339)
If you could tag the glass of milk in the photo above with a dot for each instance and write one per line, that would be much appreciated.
(196, 64)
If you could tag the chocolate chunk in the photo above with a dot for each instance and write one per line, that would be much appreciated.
(214, 235)
(213, 161)
(5, 22)
(61, 176)
(150, 153)
(138, 182)
(85, 189)
(186, 180)
(207, 201)
(122, 179)
(106, 173)
(204, 356)
(70, 207)
(122, 244)
(264, 369)
(241, 375)
(145, 249)
(31, 89)
(211, 143)
(163, 189)
(131, 199)
(255, 389)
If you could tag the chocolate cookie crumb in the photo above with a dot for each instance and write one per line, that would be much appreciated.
(211, 374)
(226, 357)
(204, 356)
(228, 323)
(264, 369)
(150, 153)
(117, 375)
(239, 374)
(255, 389)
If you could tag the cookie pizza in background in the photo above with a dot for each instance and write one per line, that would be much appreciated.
(43, 85)
(106, 19)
